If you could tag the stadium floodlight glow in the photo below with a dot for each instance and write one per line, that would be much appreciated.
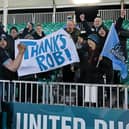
(86, 1)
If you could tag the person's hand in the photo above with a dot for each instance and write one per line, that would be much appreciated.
(72, 68)
(100, 58)
(28, 24)
(21, 48)
(80, 40)
(123, 13)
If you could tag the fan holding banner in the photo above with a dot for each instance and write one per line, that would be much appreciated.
(113, 50)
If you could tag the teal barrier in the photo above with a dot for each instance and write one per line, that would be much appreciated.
(4, 120)
(33, 116)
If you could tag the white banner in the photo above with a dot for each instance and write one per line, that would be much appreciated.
(48, 53)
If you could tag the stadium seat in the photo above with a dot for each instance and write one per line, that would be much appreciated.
(47, 27)
(108, 23)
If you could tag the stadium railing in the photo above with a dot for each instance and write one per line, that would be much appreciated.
(72, 94)
(111, 14)
(19, 18)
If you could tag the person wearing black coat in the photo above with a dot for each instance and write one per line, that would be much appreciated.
(38, 34)
(123, 35)
(105, 68)
(10, 49)
(84, 26)
(69, 70)
(105, 64)
(96, 24)
(29, 29)
(88, 54)
(88, 51)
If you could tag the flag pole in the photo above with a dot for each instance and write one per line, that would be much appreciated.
(122, 4)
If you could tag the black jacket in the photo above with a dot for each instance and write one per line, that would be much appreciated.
(36, 36)
(26, 32)
(84, 26)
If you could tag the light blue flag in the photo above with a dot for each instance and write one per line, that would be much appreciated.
(113, 50)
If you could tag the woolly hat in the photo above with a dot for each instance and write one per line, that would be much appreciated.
(3, 37)
(94, 38)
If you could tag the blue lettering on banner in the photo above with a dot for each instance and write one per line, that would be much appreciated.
(47, 45)
(58, 58)
(49, 52)
(41, 48)
(49, 60)
(67, 52)
(34, 51)
(28, 44)
(40, 60)
(62, 38)
(53, 45)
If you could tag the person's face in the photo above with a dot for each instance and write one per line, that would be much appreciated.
(102, 32)
(39, 29)
(82, 17)
(70, 26)
(14, 33)
(3, 43)
(97, 22)
(91, 44)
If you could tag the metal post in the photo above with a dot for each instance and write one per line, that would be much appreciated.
(33, 18)
(5, 13)
(14, 20)
(104, 91)
(126, 98)
(54, 12)
(51, 94)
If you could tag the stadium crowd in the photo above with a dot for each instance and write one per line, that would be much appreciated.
(89, 42)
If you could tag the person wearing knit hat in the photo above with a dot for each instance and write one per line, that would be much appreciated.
(94, 38)
(3, 37)
(3, 41)
(93, 41)
(88, 54)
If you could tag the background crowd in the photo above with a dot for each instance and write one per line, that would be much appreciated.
(89, 41)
